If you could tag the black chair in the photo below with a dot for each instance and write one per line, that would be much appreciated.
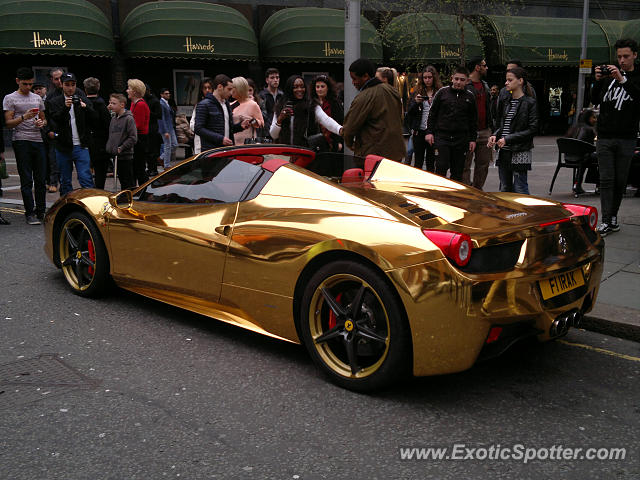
(577, 151)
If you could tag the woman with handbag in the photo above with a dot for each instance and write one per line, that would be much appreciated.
(323, 92)
(417, 115)
(295, 117)
(514, 137)
(246, 109)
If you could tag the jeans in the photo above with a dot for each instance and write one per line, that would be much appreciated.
(451, 157)
(424, 152)
(407, 159)
(125, 172)
(614, 160)
(100, 160)
(140, 153)
(79, 156)
(513, 181)
(32, 168)
(170, 144)
(53, 175)
(483, 156)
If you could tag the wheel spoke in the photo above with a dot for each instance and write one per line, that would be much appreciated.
(69, 261)
(356, 305)
(333, 304)
(78, 272)
(73, 243)
(86, 260)
(350, 346)
(81, 239)
(335, 332)
(366, 332)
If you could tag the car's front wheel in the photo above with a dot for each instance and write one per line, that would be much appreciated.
(83, 255)
(354, 327)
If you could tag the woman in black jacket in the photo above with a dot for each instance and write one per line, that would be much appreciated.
(295, 117)
(514, 137)
(417, 116)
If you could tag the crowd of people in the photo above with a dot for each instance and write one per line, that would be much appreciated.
(452, 127)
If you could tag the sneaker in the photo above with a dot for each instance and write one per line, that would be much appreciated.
(33, 220)
(614, 224)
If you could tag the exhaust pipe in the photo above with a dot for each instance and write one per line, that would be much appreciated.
(576, 319)
(560, 325)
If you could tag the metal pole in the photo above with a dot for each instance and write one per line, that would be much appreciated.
(583, 54)
(351, 47)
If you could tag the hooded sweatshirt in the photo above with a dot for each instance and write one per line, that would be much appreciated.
(123, 134)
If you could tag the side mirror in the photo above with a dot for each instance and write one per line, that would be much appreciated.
(122, 200)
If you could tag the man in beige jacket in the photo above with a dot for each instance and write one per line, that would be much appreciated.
(373, 124)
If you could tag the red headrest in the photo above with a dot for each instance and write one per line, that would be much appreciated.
(273, 164)
(353, 175)
(370, 163)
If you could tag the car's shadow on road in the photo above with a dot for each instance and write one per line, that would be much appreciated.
(524, 367)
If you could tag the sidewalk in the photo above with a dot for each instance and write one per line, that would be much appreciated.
(617, 310)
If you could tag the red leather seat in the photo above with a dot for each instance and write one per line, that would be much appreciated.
(353, 175)
(370, 163)
(273, 164)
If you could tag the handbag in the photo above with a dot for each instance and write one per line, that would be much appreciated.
(318, 143)
(3, 169)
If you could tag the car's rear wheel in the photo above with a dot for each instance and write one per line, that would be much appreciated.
(83, 255)
(354, 327)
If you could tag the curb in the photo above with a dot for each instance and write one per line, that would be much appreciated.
(625, 331)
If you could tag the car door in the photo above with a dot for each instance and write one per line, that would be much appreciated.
(175, 234)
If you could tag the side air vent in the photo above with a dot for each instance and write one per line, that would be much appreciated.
(417, 211)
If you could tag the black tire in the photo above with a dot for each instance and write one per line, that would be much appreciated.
(83, 255)
(361, 348)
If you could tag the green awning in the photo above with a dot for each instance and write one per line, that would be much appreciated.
(538, 41)
(613, 31)
(430, 37)
(313, 35)
(185, 29)
(632, 30)
(65, 27)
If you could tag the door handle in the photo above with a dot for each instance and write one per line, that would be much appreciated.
(224, 230)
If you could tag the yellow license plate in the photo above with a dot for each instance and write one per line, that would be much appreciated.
(559, 284)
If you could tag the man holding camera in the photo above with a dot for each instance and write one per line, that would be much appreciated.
(71, 116)
(617, 91)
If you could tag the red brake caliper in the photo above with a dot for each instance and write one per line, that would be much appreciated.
(92, 254)
(333, 320)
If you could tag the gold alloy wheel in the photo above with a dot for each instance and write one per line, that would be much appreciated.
(77, 254)
(349, 325)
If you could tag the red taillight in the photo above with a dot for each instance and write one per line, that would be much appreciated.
(494, 334)
(584, 210)
(562, 220)
(455, 246)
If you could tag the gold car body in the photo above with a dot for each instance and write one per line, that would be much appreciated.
(245, 263)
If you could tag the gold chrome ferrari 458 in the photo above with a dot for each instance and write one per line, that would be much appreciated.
(382, 271)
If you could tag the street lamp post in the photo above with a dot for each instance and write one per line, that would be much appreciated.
(351, 47)
(583, 55)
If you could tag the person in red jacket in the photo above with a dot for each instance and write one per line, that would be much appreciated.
(141, 115)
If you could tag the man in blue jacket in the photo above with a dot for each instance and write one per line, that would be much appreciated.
(214, 121)
(165, 128)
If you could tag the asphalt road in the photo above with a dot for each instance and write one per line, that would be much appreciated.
(128, 388)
